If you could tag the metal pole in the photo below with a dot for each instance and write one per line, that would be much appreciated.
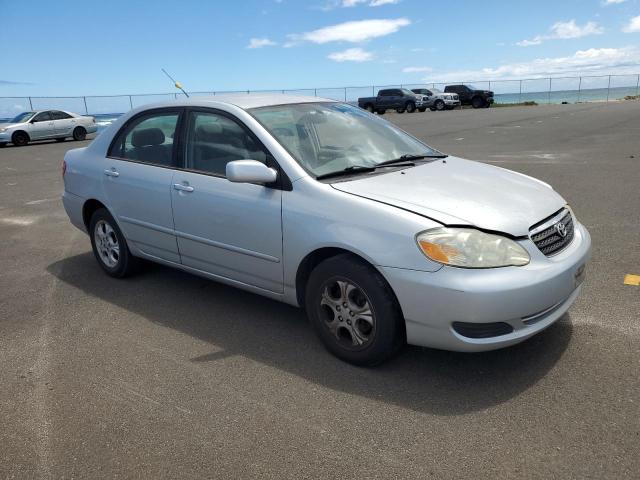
(579, 89)
(608, 87)
(549, 95)
(637, 84)
(345, 94)
(86, 110)
(30, 104)
(520, 94)
(373, 90)
(315, 92)
(130, 102)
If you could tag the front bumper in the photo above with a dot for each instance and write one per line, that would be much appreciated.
(452, 103)
(6, 136)
(528, 298)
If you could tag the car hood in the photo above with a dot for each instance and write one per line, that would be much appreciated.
(454, 191)
(7, 125)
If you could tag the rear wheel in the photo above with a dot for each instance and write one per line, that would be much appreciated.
(109, 245)
(439, 104)
(354, 311)
(20, 139)
(477, 102)
(79, 133)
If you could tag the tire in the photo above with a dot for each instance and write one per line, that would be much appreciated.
(60, 139)
(345, 284)
(20, 139)
(422, 109)
(381, 111)
(410, 107)
(400, 110)
(105, 235)
(477, 102)
(79, 133)
(487, 104)
(439, 105)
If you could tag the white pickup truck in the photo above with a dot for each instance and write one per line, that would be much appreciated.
(435, 99)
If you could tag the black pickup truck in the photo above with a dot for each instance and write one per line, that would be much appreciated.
(469, 95)
(399, 99)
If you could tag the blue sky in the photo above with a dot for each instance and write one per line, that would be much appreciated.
(70, 47)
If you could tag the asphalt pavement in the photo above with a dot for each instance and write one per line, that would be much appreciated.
(167, 375)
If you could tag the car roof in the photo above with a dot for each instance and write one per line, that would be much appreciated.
(247, 101)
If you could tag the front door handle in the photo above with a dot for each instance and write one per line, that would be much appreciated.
(183, 188)
(111, 173)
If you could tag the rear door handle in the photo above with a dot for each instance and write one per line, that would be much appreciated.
(183, 188)
(111, 173)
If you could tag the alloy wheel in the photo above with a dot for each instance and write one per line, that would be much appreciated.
(107, 244)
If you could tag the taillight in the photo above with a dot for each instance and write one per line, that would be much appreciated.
(64, 168)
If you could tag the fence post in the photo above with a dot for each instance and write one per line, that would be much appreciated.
(345, 94)
(520, 94)
(130, 102)
(86, 110)
(608, 88)
(637, 84)
(579, 88)
(549, 94)
(30, 104)
(373, 90)
(315, 92)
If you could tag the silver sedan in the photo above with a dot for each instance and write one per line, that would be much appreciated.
(382, 239)
(46, 124)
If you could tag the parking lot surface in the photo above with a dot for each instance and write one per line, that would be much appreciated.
(169, 375)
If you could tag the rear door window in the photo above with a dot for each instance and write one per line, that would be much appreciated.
(148, 139)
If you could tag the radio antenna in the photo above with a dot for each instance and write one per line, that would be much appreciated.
(177, 84)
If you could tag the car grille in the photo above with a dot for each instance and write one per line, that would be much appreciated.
(553, 235)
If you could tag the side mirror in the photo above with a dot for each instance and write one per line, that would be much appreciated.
(33, 120)
(250, 171)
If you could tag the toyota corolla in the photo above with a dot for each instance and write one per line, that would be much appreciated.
(382, 239)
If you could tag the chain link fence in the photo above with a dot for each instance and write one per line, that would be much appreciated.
(600, 88)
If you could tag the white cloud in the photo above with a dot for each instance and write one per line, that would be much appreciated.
(417, 69)
(592, 61)
(563, 31)
(260, 42)
(351, 55)
(612, 2)
(633, 25)
(355, 31)
(372, 3)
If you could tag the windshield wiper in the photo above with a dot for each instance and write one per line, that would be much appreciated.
(346, 171)
(407, 157)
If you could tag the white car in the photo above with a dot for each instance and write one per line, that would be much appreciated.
(436, 99)
(44, 125)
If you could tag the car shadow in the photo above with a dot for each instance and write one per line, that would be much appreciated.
(235, 322)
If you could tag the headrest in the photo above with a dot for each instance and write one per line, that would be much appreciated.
(147, 137)
(209, 132)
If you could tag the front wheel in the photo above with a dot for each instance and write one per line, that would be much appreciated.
(79, 133)
(439, 105)
(477, 102)
(410, 107)
(20, 139)
(109, 245)
(354, 311)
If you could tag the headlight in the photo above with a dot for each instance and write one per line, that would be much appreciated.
(2, 130)
(469, 248)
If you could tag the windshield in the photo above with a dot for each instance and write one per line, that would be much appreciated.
(22, 117)
(329, 137)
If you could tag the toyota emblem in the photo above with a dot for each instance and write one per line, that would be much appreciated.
(561, 229)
